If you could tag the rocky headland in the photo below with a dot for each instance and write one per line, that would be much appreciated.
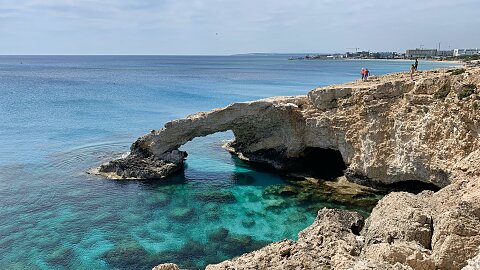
(384, 132)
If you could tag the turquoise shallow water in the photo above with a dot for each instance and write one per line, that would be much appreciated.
(60, 116)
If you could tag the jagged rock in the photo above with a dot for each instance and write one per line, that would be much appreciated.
(218, 235)
(427, 231)
(409, 254)
(401, 216)
(139, 167)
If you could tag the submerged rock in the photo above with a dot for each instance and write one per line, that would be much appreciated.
(338, 191)
(212, 212)
(252, 197)
(61, 257)
(128, 254)
(158, 199)
(243, 179)
(275, 205)
(218, 235)
(280, 190)
(192, 249)
(248, 223)
(296, 217)
(216, 196)
(235, 245)
(182, 213)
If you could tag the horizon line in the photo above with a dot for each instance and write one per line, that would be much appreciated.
(235, 54)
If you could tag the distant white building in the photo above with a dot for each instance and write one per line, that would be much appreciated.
(421, 53)
(461, 52)
(445, 53)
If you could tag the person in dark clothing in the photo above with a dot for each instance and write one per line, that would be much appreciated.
(416, 64)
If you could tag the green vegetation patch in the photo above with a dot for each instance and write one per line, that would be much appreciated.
(456, 71)
(466, 91)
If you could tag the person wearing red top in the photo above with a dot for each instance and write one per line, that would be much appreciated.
(363, 73)
(367, 73)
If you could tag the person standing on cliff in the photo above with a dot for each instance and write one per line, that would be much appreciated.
(412, 70)
(416, 64)
(367, 73)
(363, 73)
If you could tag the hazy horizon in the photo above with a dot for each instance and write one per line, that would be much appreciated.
(226, 27)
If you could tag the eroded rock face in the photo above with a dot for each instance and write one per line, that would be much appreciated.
(389, 129)
(136, 166)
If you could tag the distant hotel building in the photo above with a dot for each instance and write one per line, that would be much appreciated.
(460, 52)
(432, 53)
(421, 53)
(445, 53)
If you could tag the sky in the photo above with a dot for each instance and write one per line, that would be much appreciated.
(223, 27)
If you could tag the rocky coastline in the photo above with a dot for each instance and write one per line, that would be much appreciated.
(389, 130)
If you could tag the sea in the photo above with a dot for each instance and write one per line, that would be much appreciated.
(60, 116)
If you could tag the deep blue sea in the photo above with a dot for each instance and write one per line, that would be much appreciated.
(62, 115)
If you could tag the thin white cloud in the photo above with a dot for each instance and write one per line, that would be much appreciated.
(189, 26)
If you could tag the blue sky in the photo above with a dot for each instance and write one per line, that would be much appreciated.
(229, 27)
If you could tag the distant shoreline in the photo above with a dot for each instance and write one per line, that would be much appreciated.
(456, 62)
(409, 60)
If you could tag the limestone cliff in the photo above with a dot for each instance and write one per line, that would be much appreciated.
(387, 130)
